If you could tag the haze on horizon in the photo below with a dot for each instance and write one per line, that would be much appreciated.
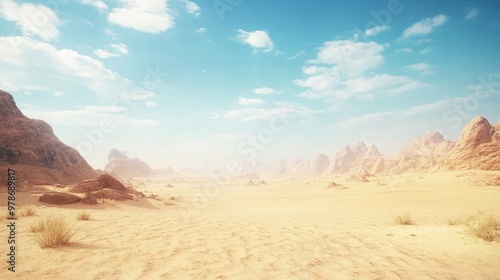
(189, 83)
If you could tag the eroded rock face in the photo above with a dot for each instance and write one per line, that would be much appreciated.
(104, 181)
(319, 164)
(112, 194)
(477, 132)
(478, 147)
(122, 166)
(355, 159)
(30, 147)
(59, 198)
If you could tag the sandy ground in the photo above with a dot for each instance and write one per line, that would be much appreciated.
(287, 229)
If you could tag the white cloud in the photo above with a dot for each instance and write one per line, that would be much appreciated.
(471, 13)
(119, 49)
(424, 41)
(265, 91)
(295, 55)
(405, 50)
(192, 8)
(419, 110)
(424, 26)
(150, 16)
(364, 119)
(258, 39)
(151, 104)
(376, 30)
(58, 93)
(419, 66)
(98, 4)
(282, 110)
(425, 51)
(349, 75)
(351, 58)
(105, 54)
(250, 101)
(37, 66)
(201, 30)
(111, 34)
(91, 116)
(32, 19)
(424, 68)
(137, 95)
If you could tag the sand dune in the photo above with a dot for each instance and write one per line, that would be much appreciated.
(283, 230)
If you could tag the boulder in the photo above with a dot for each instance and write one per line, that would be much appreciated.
(89, 199)
(112, 194)
(59, 198)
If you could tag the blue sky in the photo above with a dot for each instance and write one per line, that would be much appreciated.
(190, 83)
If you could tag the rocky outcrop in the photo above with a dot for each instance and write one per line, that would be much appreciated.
(478, 147)
(30, 147)
(355, 159)
(319, 164)
(104, 186)
(59, 198)
(122, 166)
(89, 199)
(104, 181)
(112, 194)
(422, 154)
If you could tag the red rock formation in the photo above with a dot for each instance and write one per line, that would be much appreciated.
(30, 147)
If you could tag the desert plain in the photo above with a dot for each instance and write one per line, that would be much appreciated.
(285, 228)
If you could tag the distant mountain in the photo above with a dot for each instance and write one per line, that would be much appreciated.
(355, 159)
(30, 147)
(122, 166)
(420, 155)
(478, 147)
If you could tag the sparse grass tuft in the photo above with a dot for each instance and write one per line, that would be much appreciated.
(27, 210)
(404, 219)
(107, 201)
(38, 226)
(83, 215)
(484, 225)
(52, 232)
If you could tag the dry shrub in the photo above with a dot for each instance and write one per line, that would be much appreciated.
(484, 225)
(107, 201)
(404, 219)
(27, 210)
(52, 232)
(83, 215)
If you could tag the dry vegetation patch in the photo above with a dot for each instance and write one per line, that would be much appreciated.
(83, 215)
(52, 232)
(107, 201)
(484, 225)
(404, 219)
(27, 210)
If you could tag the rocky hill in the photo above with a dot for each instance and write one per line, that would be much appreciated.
(30, 147)
(122, 166)
(478, 147)
(355, 159)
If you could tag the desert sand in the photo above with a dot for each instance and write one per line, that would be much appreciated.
(290, 228)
